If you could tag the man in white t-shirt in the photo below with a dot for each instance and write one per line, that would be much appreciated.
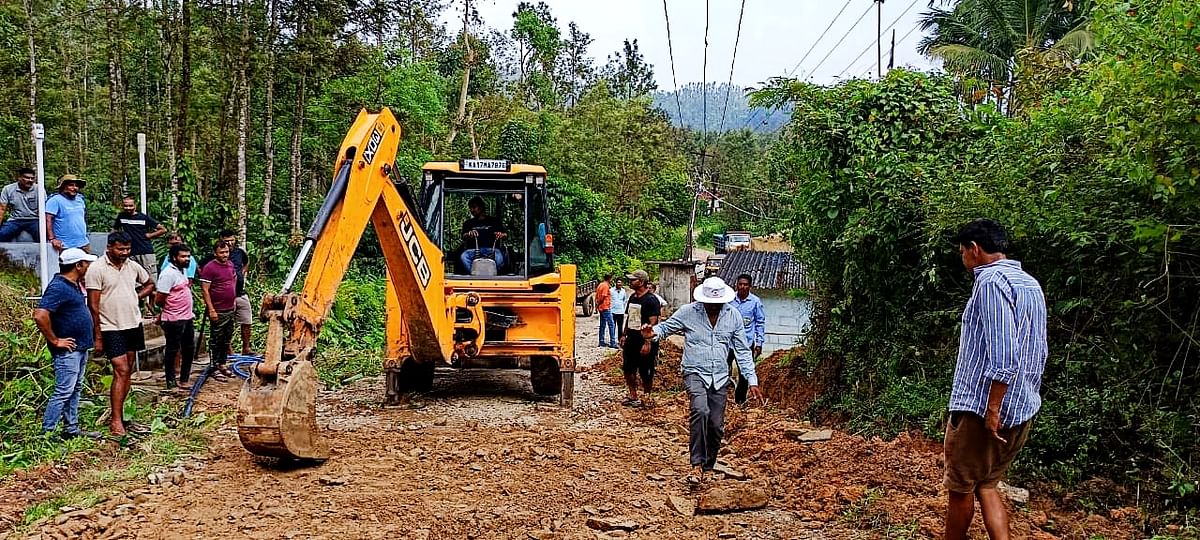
(173, 297)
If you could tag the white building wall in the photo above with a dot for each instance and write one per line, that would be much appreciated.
(787, 319)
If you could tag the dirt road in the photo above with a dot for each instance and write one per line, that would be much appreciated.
(482, 457)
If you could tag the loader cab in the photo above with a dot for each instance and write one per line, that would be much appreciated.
(487, 196)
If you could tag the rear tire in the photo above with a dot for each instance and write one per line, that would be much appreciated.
(589, 305)
(412, 377)
(545, 376)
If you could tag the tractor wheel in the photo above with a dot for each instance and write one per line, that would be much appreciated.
(544, 375)
(589, 305)
(412, 377)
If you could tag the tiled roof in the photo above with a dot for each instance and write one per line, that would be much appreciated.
(770, 269)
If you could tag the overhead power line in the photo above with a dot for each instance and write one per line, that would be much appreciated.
(736, 39)
(827, 55)
(844, 36)
(876, 40)
(704, 91)
(819, 38)
(867, 69)
(671, 53)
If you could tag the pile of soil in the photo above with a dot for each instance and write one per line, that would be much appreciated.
(667, 377)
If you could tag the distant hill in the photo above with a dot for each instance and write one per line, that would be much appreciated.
(738, 116)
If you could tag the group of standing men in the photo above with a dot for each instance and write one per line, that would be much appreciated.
(96, 302)
(640, 356)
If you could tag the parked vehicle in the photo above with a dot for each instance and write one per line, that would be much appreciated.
(730, 241)
(585, 296)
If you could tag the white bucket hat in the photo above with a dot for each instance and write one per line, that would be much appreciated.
(713, 291)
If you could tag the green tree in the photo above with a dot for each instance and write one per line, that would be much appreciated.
(1003, 42)
(628, 74)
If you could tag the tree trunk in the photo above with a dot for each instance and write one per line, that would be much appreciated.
(32, 64)
(269, 120)
(185, 77)
(169, 111)
(116, 102)
(243, 124)
(466, 79)
(297, 133)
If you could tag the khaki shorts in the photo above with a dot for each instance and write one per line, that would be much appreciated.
(150, 263)
(974, 459)
(242, 312)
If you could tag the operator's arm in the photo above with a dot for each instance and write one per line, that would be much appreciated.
(741, 353)
(42, 317)
(208, 305)
(673, 325)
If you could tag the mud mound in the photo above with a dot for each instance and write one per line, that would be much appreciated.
(667, 377)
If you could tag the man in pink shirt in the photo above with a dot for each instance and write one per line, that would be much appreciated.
(173, 297)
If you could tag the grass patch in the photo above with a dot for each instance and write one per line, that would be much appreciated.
(168, 445)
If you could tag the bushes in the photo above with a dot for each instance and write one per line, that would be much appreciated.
(1099, 196)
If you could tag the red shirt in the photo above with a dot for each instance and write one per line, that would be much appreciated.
(222, 280)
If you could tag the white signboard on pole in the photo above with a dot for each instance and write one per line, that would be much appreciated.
(141, 138)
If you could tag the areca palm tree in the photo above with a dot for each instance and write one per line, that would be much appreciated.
(997, 41)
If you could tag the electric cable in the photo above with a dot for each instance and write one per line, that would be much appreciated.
(828, 54)
(736, 39)
(674, 80)
(876, 40)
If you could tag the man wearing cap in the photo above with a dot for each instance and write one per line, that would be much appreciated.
(639, 355)
(22, 197)
(66, 215)
(115, 287)
(63, 317)
(712, 329)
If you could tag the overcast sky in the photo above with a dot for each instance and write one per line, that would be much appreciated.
(775, 35)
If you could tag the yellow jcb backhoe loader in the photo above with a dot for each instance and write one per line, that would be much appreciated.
(453, 297)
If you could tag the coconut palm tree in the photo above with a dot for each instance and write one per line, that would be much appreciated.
(996, 42)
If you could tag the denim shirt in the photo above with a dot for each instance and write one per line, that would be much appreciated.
(706, 348)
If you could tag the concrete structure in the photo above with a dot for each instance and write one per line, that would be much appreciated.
(781, 283)
(676, 279)
(28, 253)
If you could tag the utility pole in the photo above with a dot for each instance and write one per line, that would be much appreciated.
(879, 41)
(689, 241)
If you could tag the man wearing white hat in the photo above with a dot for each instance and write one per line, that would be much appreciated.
(712, 330)
(65, 321)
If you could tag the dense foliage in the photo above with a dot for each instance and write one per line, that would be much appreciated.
(1097, 186)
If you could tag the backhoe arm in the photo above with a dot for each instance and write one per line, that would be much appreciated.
(276, 415)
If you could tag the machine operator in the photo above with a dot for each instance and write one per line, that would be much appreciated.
(482, 227)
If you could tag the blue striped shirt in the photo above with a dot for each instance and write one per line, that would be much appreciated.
(754, 318)
(1003, 339)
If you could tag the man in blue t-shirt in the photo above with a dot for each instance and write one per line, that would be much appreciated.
(64, 319)
(66, 213)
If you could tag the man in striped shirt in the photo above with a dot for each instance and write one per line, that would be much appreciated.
(1001, 356)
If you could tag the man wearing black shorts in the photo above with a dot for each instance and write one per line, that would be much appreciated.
(638, 354)
(115, 287)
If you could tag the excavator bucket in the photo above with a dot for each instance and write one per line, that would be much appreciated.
(277, 415)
